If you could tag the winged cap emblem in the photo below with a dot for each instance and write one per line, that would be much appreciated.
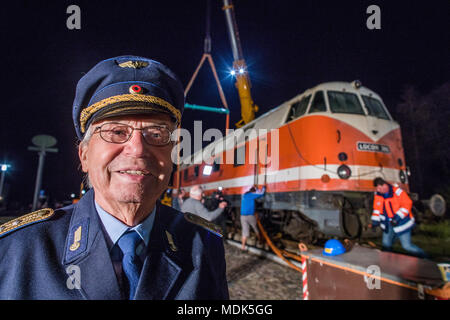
(136, 64)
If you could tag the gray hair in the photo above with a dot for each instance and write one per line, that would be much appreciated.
(84, 143)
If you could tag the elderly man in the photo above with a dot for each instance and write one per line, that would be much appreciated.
(194, 205)
(118, 241)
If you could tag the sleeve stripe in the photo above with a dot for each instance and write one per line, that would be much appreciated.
(400, 214)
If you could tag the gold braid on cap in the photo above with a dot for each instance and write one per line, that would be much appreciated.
(87, 113)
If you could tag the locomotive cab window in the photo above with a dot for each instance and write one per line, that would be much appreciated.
(318, 104)
(239, 156)
(375, 108)
(344, 102)
(216, 165)
(298, 108)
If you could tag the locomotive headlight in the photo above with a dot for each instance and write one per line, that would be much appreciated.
(356, 84)
(344, 172)
(402, 176)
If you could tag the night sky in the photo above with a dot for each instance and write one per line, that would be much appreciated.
(289, 46)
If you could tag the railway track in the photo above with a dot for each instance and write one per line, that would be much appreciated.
(284, 251)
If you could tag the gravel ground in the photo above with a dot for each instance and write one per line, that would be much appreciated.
(254, 278)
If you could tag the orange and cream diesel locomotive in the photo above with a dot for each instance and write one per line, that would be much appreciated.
(317, 154)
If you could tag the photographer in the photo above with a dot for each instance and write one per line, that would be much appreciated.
(212, 203)
(194, 205)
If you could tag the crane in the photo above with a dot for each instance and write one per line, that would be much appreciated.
(248, 107)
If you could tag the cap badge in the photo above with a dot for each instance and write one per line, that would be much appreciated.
(135, 89)
(133, 64)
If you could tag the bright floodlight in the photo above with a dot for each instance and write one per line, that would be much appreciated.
(4, 167)
(232, 72)
(72, 195)
(207, 170)
(241, 70)
(83, 191)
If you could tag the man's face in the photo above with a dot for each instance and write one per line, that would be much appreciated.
(383, 188)
(131, 172)
(196, 193)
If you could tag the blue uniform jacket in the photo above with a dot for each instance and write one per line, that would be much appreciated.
(183, 260)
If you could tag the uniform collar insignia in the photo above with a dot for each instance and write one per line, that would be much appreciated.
(172, 245)
(78, 239)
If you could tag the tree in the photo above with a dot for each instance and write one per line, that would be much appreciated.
(425, 122)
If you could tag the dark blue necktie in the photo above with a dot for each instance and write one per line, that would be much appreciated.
(131, 263)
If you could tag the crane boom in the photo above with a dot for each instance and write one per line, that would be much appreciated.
(248, 107)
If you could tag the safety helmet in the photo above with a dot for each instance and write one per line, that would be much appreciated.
(333, 247)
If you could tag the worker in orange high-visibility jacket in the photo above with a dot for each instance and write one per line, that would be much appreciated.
(392, 212)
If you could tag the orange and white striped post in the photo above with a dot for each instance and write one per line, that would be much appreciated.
(305, 291)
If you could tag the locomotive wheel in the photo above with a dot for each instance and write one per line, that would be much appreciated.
(300, 228)
(350, 222)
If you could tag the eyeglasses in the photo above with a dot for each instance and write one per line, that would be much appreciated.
(120, 133)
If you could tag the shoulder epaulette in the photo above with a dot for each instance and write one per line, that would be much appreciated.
(25, 220)
(192, 218)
